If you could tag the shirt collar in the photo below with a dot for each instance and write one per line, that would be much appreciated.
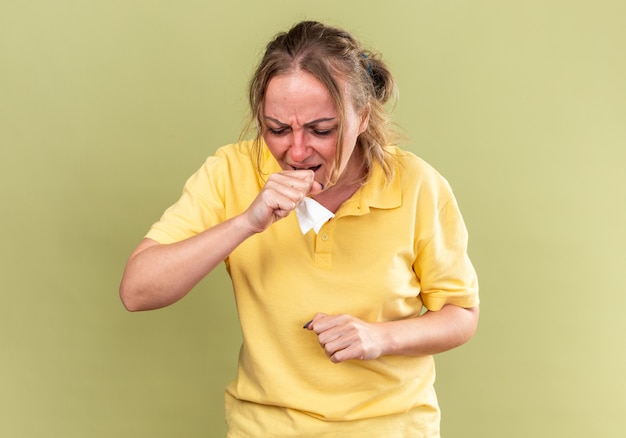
(377, 192)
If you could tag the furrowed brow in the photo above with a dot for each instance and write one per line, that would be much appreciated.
(315, 122)
(310, 124)
(278, 122)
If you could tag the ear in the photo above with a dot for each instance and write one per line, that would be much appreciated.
(365, 118)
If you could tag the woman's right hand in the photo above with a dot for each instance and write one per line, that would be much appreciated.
(281, 194)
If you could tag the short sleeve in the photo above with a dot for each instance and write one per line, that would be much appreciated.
(200, 206)
(443, 266)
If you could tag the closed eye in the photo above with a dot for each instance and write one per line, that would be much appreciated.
(279, 131)
(322, 132)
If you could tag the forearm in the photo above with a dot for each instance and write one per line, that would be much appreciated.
(159, 275)
(431, 333)
(344, 337)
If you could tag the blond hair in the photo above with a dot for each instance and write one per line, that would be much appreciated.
(330, 54)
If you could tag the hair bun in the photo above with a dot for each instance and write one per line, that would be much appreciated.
(382, 79)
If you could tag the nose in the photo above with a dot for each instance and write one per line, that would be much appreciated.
(299, 151)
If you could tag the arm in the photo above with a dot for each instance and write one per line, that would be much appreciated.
(344, 337)
(159, 275)
(442, 268)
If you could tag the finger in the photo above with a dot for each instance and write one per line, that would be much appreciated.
(311, 324)
(288, 187)
(336, 339)
(332, 347)
(316, 187)
(349, 353)
(278, 199)
(302, 180)
(341, 350)
(301, 174)
(324, 322)
(331, 340)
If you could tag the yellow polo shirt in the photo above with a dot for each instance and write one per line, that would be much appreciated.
(391, 248)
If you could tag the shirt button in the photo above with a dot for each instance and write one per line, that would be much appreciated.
(324, 237)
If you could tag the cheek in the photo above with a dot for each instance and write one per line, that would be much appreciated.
(327, 148)
(276, 145)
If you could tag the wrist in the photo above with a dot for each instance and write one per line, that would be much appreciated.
(387, 340)
(245, 226)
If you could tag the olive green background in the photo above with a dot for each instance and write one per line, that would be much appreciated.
(107, 106)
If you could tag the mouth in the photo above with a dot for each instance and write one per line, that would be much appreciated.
(313, 168)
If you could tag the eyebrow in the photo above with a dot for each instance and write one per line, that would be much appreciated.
(308, 124)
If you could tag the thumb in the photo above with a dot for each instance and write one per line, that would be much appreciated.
(316, 187)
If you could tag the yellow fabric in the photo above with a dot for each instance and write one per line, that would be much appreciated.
(390, 249)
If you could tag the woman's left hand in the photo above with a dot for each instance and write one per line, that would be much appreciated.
(344, 337)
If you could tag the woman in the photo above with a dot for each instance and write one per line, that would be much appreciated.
(379, 287)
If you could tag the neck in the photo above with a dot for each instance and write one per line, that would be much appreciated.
(348, 183)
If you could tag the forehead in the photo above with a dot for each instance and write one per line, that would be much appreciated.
(298, 92)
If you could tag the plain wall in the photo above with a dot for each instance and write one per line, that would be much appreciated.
(107, 106)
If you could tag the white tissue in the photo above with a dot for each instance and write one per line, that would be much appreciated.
(312, 214)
